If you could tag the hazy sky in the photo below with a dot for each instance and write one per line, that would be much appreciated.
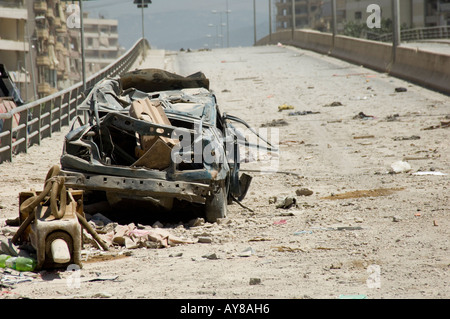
(175, 24)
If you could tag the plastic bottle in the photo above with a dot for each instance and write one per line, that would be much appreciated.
(3, 259)
(20, 263)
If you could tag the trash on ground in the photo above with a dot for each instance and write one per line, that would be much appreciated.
(255, 281)
(333, 104)
(247, 252)
(301, 232)
(392, 118)
(291, 142)
(444, 124)
(287, 249)
(400, 89)
(212, 256)
(430, 173)
(400, 167)
(287, 203)
(363, 116)
(304, 192)
(275, 123)
(280, 222)
(406, 138)
(285, 107)
(363, 137)
(302, 113)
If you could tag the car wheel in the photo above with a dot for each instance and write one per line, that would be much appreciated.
(216, 205)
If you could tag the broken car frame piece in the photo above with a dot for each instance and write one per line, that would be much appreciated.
(50, 221)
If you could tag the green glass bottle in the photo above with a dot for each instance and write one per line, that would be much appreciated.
(3, 259)
(20, 263)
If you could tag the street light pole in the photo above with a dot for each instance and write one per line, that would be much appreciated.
(228, 27)
(83, 59)
(293, 18)
(254, 21)
(270, 20)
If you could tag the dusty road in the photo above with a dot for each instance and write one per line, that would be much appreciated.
(362, 232)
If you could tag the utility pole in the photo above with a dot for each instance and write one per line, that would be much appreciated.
(254, 21)
(293, 18)
(270, 20)
(396, 37)
(83, 57)
(142, 4)
(334, 19)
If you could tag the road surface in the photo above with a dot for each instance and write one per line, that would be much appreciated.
(364, 231)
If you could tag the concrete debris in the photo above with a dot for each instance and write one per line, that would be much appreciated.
(255, 281)
(247, 252)
(333, 104)
(304, 192)
(275, 123)
(392, 118)
(287, 203)
(406, 138)
(363, 116)
(302, 113)
(400, 167)
(130, 237)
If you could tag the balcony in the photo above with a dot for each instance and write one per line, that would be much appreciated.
(43, 60)
(11, 45)
(44, 88)
(57, 22)
(40, 6)
(42, 34)
(61, 29)
(50, 15)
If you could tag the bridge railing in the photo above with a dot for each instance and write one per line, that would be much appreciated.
(40, 118)
(428, 33)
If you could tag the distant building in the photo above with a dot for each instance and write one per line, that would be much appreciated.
(101, 42)
(307, 14)
(14, 42)
(318, 14)
(43, 53)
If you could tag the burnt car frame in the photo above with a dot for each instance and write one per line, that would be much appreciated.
(104, 149)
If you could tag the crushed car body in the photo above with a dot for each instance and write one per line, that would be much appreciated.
(156, 137)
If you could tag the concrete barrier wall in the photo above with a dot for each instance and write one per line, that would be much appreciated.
(426, 68)
(371, 54)
(429, 69)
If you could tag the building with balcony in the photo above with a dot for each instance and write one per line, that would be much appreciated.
(318, 14)
(14, 42)
(101, 42)
(307, 14)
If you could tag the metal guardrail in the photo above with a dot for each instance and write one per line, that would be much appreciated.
(40, 118)
(442, 32)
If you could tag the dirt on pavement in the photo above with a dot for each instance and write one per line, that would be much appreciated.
(356, 225)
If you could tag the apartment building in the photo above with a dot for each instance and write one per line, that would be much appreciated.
(43, 53)
(307, 14)
(14, 42)
(318, 14)
(101, 42)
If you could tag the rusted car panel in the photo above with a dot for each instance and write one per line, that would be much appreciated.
(158, 137)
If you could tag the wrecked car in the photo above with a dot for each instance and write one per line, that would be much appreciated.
(156, 137)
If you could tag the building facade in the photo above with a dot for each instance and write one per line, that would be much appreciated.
(42, 51)
(318, 14)
(15, 42)
(101, 42)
